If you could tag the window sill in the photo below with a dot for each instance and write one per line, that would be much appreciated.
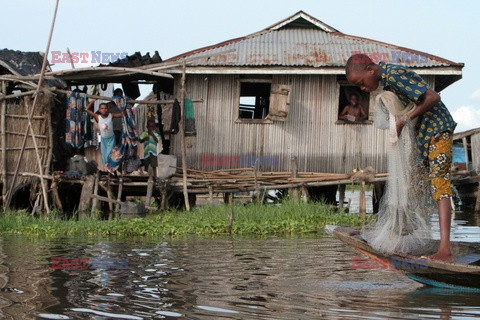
(354, 123)
(254, 121)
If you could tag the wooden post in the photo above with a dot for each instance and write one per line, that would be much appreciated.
(465, 149)
(85, 196)
(182, 138)
(4, 144)
(362, 204)
(109, 196)
(56, 197)
(149, 187)
(232, 214)
(95, 192)
(341, 196)
(294, 191)
(32, 112)
(210, 195)
(477, 203)
(257, 191)
(119, 194)
(163, 192)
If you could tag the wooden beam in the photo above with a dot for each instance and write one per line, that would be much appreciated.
(182, 138)
(4, 145)
(465, 149)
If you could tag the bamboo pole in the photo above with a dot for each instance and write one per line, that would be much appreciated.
(39, 85)
(70, 57)
(19, 116)
(182, 138)
(4, 144)
(126, 71)
(15, 95)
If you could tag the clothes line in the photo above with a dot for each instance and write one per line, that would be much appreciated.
(129, 101)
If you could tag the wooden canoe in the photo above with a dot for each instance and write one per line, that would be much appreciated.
(462, 274)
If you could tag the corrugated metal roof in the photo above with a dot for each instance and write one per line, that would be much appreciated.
(303, 41)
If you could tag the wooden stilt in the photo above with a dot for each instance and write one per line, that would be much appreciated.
(363, 202)
(119, 194)
(477, 203)
(257, 190)
(56, 197)
(182, 139)
(95, 192)
(109, 196)
(232, 214)
(294, 191)
(210, 194)
(163, 193)
(149, 188)
(4, 144)
(85, 196)
(341, 195)
(226, 197)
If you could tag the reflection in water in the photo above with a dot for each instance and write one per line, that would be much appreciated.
(307, 277)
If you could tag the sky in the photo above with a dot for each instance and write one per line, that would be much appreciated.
(449, 29)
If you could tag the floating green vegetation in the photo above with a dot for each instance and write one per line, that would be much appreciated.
(288, 217)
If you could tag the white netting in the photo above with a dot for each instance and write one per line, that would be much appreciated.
(402, 224)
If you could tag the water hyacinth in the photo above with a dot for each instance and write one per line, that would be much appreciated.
(260, 219)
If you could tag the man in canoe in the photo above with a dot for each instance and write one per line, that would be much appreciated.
(434, 128)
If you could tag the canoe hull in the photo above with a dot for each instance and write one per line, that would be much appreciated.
(430, 272)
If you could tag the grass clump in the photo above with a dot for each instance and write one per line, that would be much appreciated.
(262, 219)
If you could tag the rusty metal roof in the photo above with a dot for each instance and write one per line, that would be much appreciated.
(303, 41)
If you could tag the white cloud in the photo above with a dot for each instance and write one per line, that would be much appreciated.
(476, 95)
(467, 117)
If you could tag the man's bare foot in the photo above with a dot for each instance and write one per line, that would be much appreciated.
(447, 257)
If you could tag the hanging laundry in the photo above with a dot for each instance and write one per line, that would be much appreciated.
(174, 127)
(189, 118)
(129, 139)
(90, 138)
(75, 119)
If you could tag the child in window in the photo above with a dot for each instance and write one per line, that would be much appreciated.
(354, 112)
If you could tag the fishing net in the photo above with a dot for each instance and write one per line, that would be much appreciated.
(403, 216)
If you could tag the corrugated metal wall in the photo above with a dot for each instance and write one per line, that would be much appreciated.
(310, 133)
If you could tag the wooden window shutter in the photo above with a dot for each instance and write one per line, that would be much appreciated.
(279, 102)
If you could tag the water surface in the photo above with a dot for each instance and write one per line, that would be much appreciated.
(300, 277)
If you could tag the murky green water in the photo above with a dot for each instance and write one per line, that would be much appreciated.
(307, 277)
